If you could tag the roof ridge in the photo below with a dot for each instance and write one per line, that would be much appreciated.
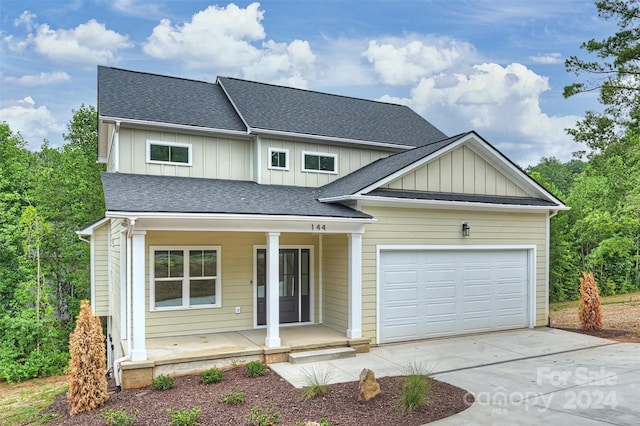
(158, 75)
(280, 86)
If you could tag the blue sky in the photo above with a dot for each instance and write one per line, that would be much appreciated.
(494, 66)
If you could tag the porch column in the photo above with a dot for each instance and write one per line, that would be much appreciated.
(138, 348)
(272, 340)
(354, 329)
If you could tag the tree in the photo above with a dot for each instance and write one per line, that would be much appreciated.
(590, 314)
(88, 365)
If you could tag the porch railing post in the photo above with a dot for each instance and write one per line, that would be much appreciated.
(272, 340)
(354, 329)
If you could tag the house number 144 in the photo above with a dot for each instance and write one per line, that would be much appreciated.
(318, 227)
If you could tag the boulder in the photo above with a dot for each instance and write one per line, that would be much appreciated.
(369, 387)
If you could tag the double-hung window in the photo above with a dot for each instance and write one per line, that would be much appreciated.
(185, 277)
(278, 158)
(176, 153)
(319, 162)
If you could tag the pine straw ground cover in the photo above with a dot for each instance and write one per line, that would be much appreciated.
(339, 406)
(620, 317)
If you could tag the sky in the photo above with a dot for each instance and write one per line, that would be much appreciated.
(493, 66)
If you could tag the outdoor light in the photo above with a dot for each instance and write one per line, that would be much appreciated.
(465, 229)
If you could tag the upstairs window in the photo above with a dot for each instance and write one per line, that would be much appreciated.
(319, 162)
(278, 158)
(169, 153)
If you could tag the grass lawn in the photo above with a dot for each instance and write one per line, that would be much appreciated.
(20, 403)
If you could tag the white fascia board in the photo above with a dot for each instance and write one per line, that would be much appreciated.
(173, 127)
(328, 139)
(88, 231)
(243, 223)
(365, 200)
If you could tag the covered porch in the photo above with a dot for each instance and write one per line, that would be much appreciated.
(181, 355)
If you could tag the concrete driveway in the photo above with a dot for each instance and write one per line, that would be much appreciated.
(537, 377)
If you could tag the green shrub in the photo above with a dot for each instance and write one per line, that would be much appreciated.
(256, 368)
(163, 382)
(322, 422)
(260, 417)
(184, 417)
(233, 397)
(118, 417)
(213, 375)
(415, 388)
(316, 381)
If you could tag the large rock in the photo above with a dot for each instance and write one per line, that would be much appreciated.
(369, 387)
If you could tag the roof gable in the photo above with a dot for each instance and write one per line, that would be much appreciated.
(266, 107)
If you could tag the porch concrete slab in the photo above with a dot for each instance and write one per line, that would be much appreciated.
(300, 337)
(164, 349)
(541, 376)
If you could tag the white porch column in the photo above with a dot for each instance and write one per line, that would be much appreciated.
(272, 340)
(354, 329)
(138, 349)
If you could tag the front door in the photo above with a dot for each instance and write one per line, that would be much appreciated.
(293, 284)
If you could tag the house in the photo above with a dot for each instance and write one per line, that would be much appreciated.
(238, 205)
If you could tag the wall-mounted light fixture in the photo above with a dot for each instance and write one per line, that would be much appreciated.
(466, 230)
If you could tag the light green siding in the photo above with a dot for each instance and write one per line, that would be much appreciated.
(100, 259)
(349, 159)
(236, 273)
(460, 171)
(335, 271)
(213, 157)
(396, 226)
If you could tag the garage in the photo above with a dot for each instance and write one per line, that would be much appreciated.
(430, 293)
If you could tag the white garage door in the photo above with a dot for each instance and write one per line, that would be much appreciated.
(426, 293)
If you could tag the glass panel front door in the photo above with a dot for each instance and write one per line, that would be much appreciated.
(293, 284)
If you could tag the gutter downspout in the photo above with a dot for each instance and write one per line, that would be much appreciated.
(548, 237)
(116, 148)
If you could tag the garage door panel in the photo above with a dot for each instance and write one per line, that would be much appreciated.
(442, 293)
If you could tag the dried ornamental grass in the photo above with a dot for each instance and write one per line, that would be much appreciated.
(87, 368)
(590, 314)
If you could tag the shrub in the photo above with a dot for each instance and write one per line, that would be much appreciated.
(118, 417)
(415, 388)
(256, 368)
(88, 366)
(233, 397)
(590, 314)
(316, 381)
(322, 422)
(163, 382)
(184, 417)
(260, 417)
(213, 375)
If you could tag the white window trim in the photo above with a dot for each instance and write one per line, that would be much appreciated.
(185, 278)
(286, 160)
(321, 154)
(163, 143)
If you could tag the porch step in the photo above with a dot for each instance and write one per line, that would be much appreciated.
(321, 355)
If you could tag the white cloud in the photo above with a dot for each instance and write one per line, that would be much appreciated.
(44, 78)
(34, 123)
(501, 103)
(405, 61)
(87, 44)
(224, 39)
(547, 58)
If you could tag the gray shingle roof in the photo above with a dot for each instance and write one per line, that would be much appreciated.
(378, 170)
(285, 109)
(470, 198)
(169, 194)
(158, 98)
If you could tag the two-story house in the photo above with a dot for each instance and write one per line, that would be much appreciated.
(241, 206)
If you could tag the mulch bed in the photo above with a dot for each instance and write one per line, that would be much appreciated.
(340, 406)
(611, 334)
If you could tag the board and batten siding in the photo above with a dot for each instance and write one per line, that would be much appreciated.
(349, 159)
(100, 260)
(461, 171)
(335, 270)
(212, 157)
(396, 226)
(236, 273)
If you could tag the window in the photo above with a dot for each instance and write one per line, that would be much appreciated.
(319, 162)
(185, 277)
(169, 153)
(278, 158)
